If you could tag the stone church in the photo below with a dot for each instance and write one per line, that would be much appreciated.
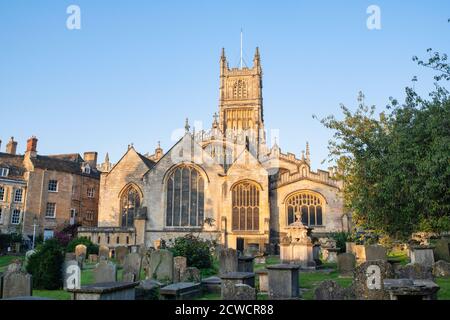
(225, 183)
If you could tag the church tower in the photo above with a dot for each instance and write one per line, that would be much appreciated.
(241, 102)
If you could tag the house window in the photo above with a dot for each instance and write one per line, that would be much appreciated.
(4, 172)
(18, 194)
(15, 217)
(108, 239)
(89, 215)
(48, 234)
(185, 198)
(2, 194)
(307, 207)
(99, 239)
(50, 212)
(87, 169)
(128, 240)
(53, 186)
(91, 192)
(245, 207)
(130, 204)
(118, 240)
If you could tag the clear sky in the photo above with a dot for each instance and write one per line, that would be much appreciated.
(137, 69)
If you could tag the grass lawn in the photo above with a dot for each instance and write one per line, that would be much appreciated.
(6, 260)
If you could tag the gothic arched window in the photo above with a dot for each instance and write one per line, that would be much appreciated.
(245, 201)
(307, 206)
(130, 203)
(185, 198)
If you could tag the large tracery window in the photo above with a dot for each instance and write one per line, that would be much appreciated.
(130, 204)
(245, 207)
(307, 206)
(185, 198)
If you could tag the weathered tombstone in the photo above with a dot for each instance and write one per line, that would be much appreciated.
(263, 276)
(413, 271)
(228, 261)
(212, 285)
(331, 290)
(284, 281)
(70, 256)
(316, 254)
(330, 254)
(369, 280)
(81, 251)
(179, 268)
(441, 250)
(161, 266)
(72, 275)
(376, 252)
(245, 264)
(121, 252)
(103, 252)
(408, 289)
(231, 279)
(116, 291)
(181, 291)
(191, 274)
(422, 255)
(16, 283)
(346, 264)
(132, 267)
(244, 292)
(93, 258)
(148, 290)
(105, 271)
(441, 269)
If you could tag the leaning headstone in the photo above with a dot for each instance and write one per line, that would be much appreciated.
(441, 269)
(121, 252)
(179, 268)
(105, 271)
(191, 275)
(331, 290)
(16, 283)
(413, 271)
(132, 266)
(228, 261)
(71, 275)
(368, 281)
(376, 252)
(346, 264)
(161, 266)
(284, 281)
(103, 252)
(422, 255)
(244, 292)
(441, 250)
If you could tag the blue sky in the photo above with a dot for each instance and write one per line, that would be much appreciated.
(137, 69)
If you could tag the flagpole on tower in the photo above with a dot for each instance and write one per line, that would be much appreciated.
(241, 49)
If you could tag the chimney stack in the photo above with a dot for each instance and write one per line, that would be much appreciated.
(91, 159)
(11, 147)
(32, 147)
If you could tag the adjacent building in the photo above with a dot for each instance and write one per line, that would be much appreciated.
(46, 193)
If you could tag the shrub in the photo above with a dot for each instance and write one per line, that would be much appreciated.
(91, 248)
(46, 265)
(341, 238)
(196, 250)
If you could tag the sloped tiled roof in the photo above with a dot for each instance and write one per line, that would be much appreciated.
(15, 165)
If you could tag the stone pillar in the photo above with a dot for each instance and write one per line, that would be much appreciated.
(284, 281)
(423, 255)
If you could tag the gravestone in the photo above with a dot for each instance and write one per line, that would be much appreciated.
(360, 253)
(179, 268)
(191, 275)
(71, 275)
(330, 254)
(408, 289)
(112, 291)
(148, 290)
(346, 264)
(231, 279)
(331, 290)
(369, 280)
(161, 266)
(263, 276)
(132, 267)
(228, 261)
(245, 264)
(260, 260)
(422, 255)
(316, 254)
(16, 283)
(105, 272)
(70, 256)
(93, 258)
(413, 271)
(244, 292)
(181, 291)
(212, 285)
(375, 252)
(284, 281)
(103, 252)
(441, 269)
(80, 252)
(441, 250)
(120, 253)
